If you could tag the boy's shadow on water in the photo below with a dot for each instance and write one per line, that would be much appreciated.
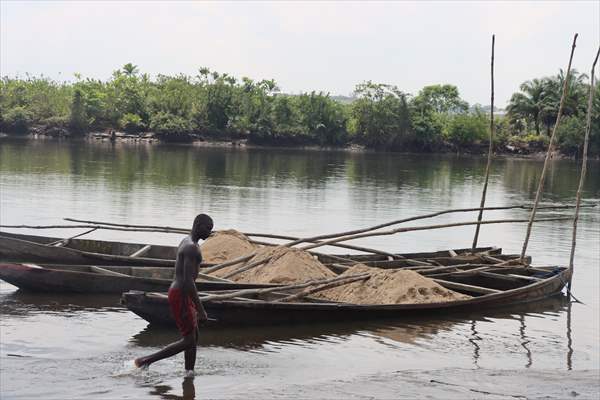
(187, 386)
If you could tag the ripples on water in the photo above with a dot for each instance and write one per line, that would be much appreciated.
(75, 346)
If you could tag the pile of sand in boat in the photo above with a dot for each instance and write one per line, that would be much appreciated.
(291, 265)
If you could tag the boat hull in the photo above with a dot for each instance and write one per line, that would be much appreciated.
(154, 308)
(39, 279)
(27, 248)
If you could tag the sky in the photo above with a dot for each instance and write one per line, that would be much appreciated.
(304, 46)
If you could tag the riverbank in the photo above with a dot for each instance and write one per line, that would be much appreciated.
(512, 150)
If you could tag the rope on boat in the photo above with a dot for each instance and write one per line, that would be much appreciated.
(569, 292)
(538, 195)
(583, 167)
(490, 149)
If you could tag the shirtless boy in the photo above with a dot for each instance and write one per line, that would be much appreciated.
(183, 298)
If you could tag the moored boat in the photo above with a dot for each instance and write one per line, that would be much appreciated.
(489, 289)
(107, 279)
(42, 249)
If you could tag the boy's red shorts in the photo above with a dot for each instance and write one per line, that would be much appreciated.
(183, 310)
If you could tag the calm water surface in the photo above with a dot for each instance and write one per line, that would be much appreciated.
(75, 346)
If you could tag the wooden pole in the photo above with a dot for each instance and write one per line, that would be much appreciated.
(65, 241)
(172, 229)
(428, 227)
(246, 292)
(362, 230)
(538, 195)
(583, 165)
(320, 288)
(490, 149)
(150, 228)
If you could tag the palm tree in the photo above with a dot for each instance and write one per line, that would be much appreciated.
(130, 69)
(574, 103)
(528, 104)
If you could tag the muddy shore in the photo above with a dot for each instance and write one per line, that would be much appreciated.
(503, 151)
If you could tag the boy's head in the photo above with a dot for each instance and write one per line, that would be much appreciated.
(203, 225)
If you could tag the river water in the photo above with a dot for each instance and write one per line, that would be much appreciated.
(61, 347)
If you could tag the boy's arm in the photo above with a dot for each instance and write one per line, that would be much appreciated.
(190, 262)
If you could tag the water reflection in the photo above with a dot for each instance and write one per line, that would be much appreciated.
(125, 164)
(390, 332)
(524, 340)
(569, 338)
(187, 386)
(474, 339)
(22, 303)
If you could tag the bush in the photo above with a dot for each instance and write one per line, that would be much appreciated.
(131, 123)
(426, 129)
(16, 120)
(170, 127)
(570, 135)
(467, 128)
(531, 139)
(58, 121)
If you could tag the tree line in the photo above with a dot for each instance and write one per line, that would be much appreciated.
(219, 106)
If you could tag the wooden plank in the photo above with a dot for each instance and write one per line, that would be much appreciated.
(468, 288)
(142, 251)
(447, 268)
(529, 278)
(210, 278)
(502, 277)
(105, 271)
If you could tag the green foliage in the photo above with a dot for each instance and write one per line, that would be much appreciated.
(441, 99)
(530, 140)
(538, 101)
(16, 120)
(321, 118)
(165, 124)
(221, 106)
(217, 107)
(464, 129)
(131, 123)
(380, 114)
(78, 120)
(570, 134)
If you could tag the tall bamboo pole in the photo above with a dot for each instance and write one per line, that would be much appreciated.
(538, 195)
(583, 164)
(490, 149)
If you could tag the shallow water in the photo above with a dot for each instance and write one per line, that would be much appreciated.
(75, 346)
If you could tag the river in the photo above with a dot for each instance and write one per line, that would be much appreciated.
(63, 347)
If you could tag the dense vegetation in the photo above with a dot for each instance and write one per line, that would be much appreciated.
(220, 106)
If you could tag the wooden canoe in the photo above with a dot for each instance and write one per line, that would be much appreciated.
(106, 279)
(41, 249)
(531, 284)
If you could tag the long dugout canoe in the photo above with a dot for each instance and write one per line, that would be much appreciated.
(154, 307)
(110, 279)
(41, 249)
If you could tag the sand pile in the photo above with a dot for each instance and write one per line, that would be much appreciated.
(286, 266)
(226, 245)
(390, 287)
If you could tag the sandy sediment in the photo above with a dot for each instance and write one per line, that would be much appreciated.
(226, 245)
(390, 287)
(285, 266)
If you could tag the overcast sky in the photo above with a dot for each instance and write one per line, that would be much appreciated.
(329, 46)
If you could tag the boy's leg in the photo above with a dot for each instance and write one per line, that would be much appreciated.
(184, 343)
(190, 353)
